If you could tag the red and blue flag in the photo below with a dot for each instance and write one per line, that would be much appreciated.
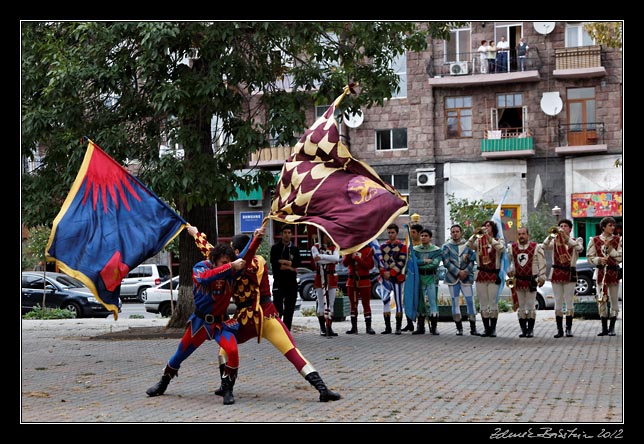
(109, 223)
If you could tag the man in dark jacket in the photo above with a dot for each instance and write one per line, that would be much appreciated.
(285, 259)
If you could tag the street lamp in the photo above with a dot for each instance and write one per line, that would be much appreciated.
(556, 212)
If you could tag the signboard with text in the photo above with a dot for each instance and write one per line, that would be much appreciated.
(597, 204)
(249, 221)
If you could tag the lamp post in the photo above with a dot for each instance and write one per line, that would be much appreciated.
(556, 212)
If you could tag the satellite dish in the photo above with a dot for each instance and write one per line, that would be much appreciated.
(353, 120)
(544, 27)
(551, 103)
(538, 191)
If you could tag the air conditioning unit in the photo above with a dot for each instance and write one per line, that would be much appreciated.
(458, 68)
(425, 178)
(255, 203)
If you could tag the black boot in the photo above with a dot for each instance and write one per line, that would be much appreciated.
(473, 331)
(410, 324)
(611, 327)
(367, 323)
(220, 390)
(398, 324)
(559, 321)
(329, 329)
(387, 318)
(604, 331)
(354, 326)
(433, 329)
(530, 332)
(569, 326)
(420, 326)
(228, 382)
(486, 327)
(524, 327)
(322, 322)
(493, 327)
(160, 387)
(325, 394)
(459, 328)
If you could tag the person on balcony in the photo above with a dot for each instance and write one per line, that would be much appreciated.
(522, 53)
(483, 56)
(491, 56)
(503, 48)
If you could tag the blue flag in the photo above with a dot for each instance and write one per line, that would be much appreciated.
(412, 279)
(109, 224)
(505, 263)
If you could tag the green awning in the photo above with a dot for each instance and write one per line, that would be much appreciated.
(256, 194)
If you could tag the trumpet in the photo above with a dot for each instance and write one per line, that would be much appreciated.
(511, 282)
(554, 231)
(601, 296)
(480, 232)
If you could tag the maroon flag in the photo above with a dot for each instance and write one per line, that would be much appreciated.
(321, 184)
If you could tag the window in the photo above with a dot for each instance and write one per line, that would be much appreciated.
(458, 114)
(225, 221)
(458, 47)
(581, 109)
(399, 182)
(399, 65)
(577, 36)
(510, 115)
(392, 139)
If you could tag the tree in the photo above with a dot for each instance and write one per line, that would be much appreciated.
(608, 34)
(470, 215)
(214, 89)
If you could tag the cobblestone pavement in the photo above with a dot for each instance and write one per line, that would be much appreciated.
(69, 374)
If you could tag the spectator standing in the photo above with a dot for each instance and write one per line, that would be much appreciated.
(522, 53)
(483, 56)
(503, 48)
(491, 56)
(285, 258)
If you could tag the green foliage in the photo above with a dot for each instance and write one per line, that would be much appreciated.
(505, 305)
(308, 311)
(34, 248)
(608, 34)
(539, 222)
(469, 214)
(133, 86)
(264, 251)
(48, 313)
(136, 316)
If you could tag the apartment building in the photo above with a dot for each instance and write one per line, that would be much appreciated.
(548, 127)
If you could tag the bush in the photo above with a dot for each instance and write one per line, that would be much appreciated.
(48, 313)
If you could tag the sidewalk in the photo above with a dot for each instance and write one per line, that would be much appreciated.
(71, 375)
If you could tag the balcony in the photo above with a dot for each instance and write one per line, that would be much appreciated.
(507, 142)
(581, 138)
(578, 63)
(270, 156)
(470, 69)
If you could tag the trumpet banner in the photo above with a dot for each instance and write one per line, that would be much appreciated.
(321, 184)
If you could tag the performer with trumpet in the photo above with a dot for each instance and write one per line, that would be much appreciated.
(326, 256)
(605, 252)
(488, 248)
(528, 268)
(563, 274)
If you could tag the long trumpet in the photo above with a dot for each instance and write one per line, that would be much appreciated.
(601, 297)
(554, 231)
(479, 233)
(511, 282)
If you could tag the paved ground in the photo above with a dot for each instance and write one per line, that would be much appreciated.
(73, 371)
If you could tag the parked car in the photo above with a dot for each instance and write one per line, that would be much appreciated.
(306, 280)
(61, 291)
(585, 278)
(140, 278)
(157, 298)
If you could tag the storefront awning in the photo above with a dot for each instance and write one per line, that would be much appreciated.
(256, 194)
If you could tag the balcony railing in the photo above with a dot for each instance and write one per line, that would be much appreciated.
(508, 141)
(578, 58)
(579, 134)
(470, 63)
(271, 156)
